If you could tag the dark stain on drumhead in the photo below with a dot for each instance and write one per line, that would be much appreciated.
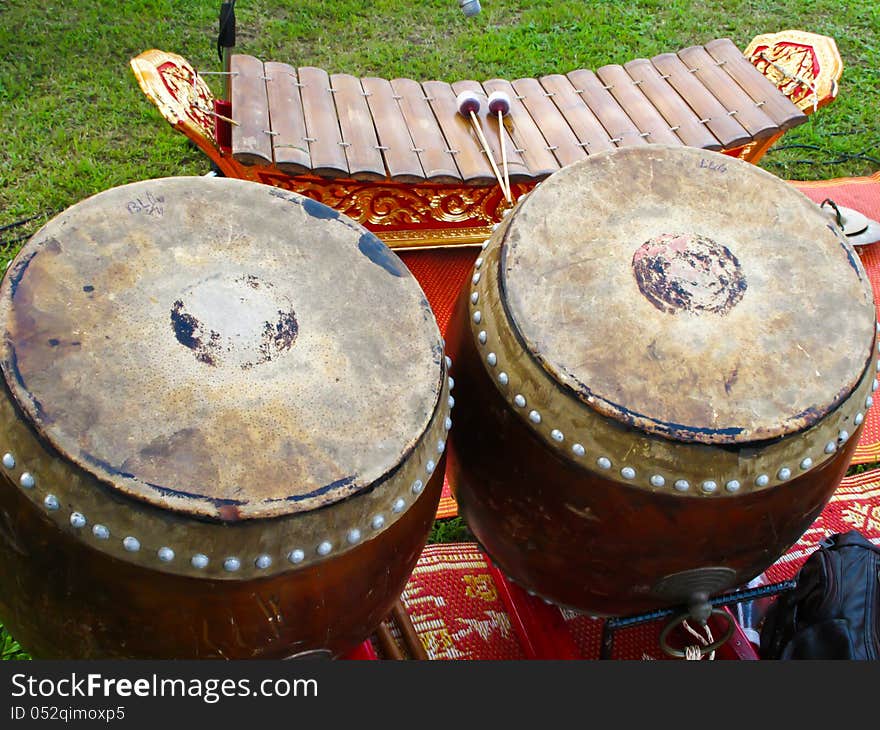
(18, 272)
(106, 466)
(40, 415)
(371, 247)
(319, 210)
(686, 272)
(53, 342)
(847, 249)
(338, 484)
(279, 335)
(187, 330)
(88, 288)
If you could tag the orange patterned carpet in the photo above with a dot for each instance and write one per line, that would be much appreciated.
(441, 273)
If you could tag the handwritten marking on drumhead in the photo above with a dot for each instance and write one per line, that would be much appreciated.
(149, 205)
(686, 272)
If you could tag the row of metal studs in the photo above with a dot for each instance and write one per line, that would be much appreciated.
(232, 564)
(627, 472)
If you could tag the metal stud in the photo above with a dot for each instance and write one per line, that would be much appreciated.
(77, 519)
(628, 472)
(231, 564)
(51, 502)
(732, 486)
(603, 462)
(296, 556)
(874, 385)
(430, 466)
(475, 297)
(519, 401)
(858, 419)
(485, 245)
(378, 522)
(830, 447)
(451, 382)
(165, 554)
(482, 337)
(101, 532)
(475, 279)
(324, 548)
(9, 461)
(132, 544)
(491, 359)
(398, 505)
(869, 401)
(450, 401)
(657, 480)
(534, 416)
(709, 486)
(27, 480)
(447, 424)
(441, 446)
(578, 449)
(682, 485)
(199, 561)
(806, 463)
(783, 474)
(503, 379)
(556, 435)
(354, 536)
(448, 361)
(478, 317)
(762, 480)
(842, 436)
(417, 486)
(479, 262)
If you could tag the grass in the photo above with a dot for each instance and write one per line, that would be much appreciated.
(75, 122)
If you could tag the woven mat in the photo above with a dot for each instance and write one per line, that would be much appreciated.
(441, 273)
(454, 603)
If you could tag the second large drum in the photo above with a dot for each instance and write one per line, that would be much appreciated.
(663, 363)
(223, 421)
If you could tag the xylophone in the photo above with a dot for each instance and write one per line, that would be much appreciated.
(397, 156)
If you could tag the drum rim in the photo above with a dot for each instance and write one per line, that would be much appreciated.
(677, 432)
(203, 506)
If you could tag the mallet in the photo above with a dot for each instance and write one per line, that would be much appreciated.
(499, 103)
(469, 106)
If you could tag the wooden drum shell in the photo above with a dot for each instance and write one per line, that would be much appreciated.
(62, 599)
(591, 543)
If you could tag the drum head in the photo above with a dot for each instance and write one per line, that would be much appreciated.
(219, 347)
(689, 294)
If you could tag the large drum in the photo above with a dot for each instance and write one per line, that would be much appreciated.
(662, 363)
(222, 426)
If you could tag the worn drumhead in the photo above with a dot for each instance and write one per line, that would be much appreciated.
(220, 347)
(688, 294)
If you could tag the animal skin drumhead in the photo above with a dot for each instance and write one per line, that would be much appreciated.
(219, 347)
(688, 294)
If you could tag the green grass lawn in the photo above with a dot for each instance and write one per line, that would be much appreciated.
(74, 121)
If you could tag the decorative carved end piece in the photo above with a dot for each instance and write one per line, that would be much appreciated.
(806, 67)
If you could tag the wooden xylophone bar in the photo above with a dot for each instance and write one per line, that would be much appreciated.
(305, 121)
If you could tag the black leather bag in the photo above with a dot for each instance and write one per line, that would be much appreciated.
(834, 613)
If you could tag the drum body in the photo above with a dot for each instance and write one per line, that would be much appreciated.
(633, 434)
(223, 435)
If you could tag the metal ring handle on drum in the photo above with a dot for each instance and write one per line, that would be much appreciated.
(677, 619)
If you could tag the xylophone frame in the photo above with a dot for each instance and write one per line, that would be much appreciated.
(804, 66)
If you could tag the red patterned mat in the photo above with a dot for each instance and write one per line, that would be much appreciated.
(458, 613)
(441, 273)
